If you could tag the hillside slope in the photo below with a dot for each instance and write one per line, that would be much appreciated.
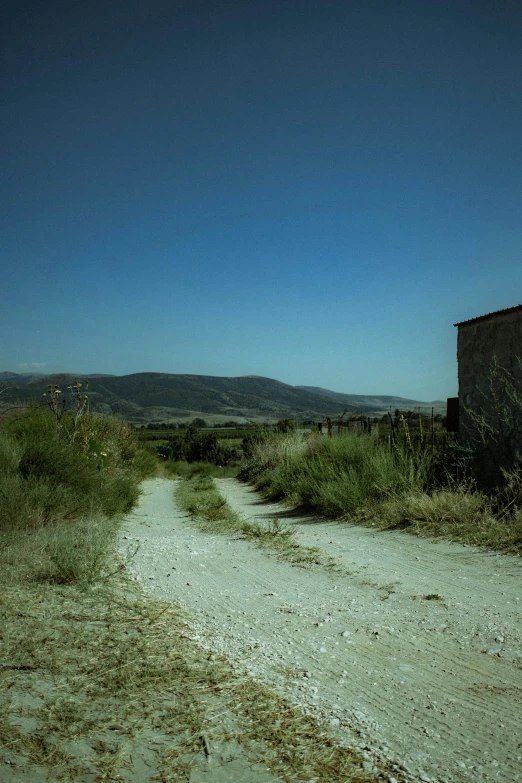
(379, 402)
(151, 396)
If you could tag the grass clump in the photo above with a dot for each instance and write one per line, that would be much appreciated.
(360, 479)
(53, 471)
(200, 497)
(334, 476)
(462, 514)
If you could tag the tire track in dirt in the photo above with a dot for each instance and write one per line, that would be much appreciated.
(404, 677)
(444, 672)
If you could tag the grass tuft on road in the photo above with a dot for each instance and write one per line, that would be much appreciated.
(200, 497)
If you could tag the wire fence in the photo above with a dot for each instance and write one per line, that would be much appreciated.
(413, 427)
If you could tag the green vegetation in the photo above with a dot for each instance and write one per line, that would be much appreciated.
(198, 446)
(52, 470)
(221, 449)
(284, 426)
(199, 496)
(335, 476)
(363, 480)
(184, 469)
(169, 433)
(95, 679)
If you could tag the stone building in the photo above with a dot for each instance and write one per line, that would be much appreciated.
(489, 352)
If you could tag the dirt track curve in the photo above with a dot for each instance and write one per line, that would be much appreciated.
(411, 650)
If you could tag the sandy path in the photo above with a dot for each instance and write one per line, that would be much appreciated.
(434, 685)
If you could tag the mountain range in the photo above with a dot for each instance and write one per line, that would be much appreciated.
(152, 396)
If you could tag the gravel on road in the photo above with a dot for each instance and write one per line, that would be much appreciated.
(411, 651)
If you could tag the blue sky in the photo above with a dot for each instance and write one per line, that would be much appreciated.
(310, 191)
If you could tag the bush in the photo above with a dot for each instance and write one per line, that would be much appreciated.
(285, 426)
(199, 447)
(197, 422)
(53, 470)
(335, 476)
(183, 469)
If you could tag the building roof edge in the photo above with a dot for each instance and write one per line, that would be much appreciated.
(490, 315)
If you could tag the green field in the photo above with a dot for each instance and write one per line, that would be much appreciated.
(224, 434)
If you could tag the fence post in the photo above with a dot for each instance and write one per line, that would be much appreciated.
(392, 436)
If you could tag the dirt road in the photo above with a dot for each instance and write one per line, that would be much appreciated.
(411, 650)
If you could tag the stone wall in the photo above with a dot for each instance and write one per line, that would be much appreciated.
(481, 343)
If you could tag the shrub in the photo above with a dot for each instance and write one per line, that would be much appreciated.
(335, 475)
(52, 470)
(284, 426)
(199, 447)
(197, 422)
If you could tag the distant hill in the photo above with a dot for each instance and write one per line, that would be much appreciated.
(380, 402)
(150, 396)
(22, 378)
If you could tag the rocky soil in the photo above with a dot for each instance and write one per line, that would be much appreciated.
(409, 650)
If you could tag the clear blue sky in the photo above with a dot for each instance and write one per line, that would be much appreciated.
(311, 191)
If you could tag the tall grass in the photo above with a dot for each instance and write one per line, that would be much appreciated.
(60, 485)
(49, 472)
(358, 478)
(336, 476)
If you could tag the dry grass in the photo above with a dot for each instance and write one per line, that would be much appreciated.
(99, 683)
(108, 685)
(88, 679)
(459, 515)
